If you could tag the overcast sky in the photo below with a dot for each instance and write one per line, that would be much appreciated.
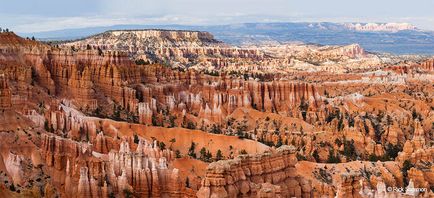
(45, 15)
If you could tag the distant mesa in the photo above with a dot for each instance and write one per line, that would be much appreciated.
(380, 27)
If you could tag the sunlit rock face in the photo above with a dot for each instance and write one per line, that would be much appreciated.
(272, 174)
(90, 173)
(84, 119)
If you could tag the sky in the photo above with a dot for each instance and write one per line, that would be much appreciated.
(27, 16)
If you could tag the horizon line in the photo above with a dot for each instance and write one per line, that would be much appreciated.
(223, 24)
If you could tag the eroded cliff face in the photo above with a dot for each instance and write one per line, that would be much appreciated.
(93, 123)
(266, 175)
(137, 89)
(85, 172)
(279, 174)
(428, 65)
(72, 167)
(199, 50)
(5, 93)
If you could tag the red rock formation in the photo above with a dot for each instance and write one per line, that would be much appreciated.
(428, 65)
(214, 101)
(14, 167)
(72, 74)
(144, 171)
(349, 186)
(245, 175)
(101, 144)
(5, 93)
(84, 184)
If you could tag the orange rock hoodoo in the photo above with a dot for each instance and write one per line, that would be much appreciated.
(428, 65)
(89, 173)
(5, 93)
(251, 175)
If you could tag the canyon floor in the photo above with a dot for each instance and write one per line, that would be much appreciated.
(165, 113)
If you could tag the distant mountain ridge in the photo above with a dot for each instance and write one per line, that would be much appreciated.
(395, 38)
